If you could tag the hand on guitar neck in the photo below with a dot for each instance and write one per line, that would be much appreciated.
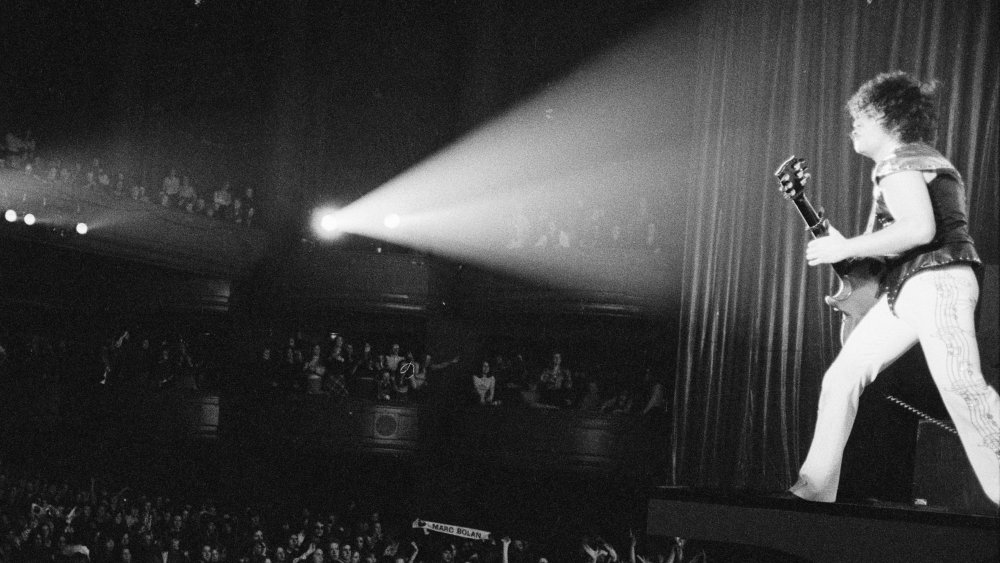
(829, 249)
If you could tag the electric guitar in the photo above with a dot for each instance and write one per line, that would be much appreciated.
(858, 279)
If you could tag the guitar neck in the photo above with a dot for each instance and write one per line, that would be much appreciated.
(817, 228)
(813, 220)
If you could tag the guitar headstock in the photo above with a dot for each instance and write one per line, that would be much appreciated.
(793, 177)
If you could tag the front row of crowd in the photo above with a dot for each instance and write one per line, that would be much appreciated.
(52, 521)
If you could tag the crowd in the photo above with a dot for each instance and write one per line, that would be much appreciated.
(174, 190)
(155, 360)
(50, 520)
(194, 360)
(340, 369)
(631, 227)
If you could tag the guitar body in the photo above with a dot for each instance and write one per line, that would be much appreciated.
(857, 292)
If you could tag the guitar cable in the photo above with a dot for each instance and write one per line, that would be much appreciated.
(922, 414)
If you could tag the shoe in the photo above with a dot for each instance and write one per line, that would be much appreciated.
(786, 495)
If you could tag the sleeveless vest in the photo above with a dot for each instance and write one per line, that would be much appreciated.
(951, 243)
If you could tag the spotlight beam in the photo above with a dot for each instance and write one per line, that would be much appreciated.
(606, 138)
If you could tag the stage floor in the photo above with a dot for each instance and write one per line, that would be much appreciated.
(834, 532)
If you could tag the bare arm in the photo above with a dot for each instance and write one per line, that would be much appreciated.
(655, 398)
(612, 554)
(908, 199)
(443, 365)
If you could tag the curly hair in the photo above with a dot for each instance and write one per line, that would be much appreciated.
(906, 104)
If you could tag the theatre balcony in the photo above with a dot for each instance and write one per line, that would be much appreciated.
(124, 229)
(508, 436)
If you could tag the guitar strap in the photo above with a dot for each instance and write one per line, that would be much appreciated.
(870, 227)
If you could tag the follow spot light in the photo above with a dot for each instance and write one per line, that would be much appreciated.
(10, 215)
(328, 223)
(29, 219)
(81, 228)
(392, 221)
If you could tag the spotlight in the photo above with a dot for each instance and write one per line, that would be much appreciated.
(391, 221)
(10, 215)
(29, 219)
(81, 228)
(328, 223)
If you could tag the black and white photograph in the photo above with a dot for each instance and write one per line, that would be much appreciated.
(499, 281)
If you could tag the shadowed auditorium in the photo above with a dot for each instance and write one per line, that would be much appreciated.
(499, 281)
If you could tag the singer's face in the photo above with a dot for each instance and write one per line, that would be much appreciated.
(868, 133)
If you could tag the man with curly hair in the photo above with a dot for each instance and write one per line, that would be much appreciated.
(919, 226)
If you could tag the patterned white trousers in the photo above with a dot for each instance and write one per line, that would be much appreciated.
(934, 308)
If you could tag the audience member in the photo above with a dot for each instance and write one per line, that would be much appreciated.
(222, 201)
(484, 385)
(556, 383)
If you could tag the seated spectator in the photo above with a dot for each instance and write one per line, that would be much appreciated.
(553, 237)
(651, 243)
(121, 188)
(383, 384)
(484, 385)
(520, 227)
(20, 145)
(237, 215)
(89, 183)
(621, 402)
(249, 206)
(591, 401)
(392, 360)
(403, 377)
(266, 371)
(186, 373)
(617, 239)
(291, 368)
(335, 384)
(222, 201)
(186, 195)
(556, 383)
(171, 189)
(423, 381)
(651, 396)
(364, 372)
(103, 180)
(164, 370)
(335, 361)
(315, 370)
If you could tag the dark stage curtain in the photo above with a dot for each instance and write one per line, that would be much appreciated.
(772, 80)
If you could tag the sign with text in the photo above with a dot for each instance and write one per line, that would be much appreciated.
(451, 529)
